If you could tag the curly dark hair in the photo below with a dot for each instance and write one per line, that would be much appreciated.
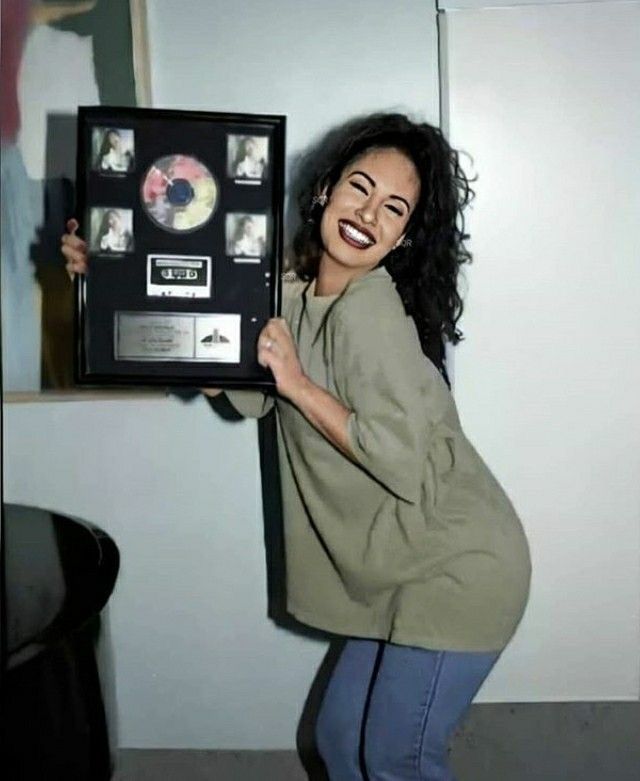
(425, 270)
(106, 145)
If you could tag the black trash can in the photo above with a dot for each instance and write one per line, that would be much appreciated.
(58, 574)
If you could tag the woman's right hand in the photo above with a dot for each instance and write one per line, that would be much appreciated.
(74, 250)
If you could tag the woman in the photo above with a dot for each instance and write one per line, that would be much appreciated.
(111, 156)
(247, 164)
(246, 241)
(112, 236)
(398, 536)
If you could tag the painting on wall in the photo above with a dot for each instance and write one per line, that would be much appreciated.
(55, 57)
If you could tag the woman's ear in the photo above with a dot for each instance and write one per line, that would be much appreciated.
(322, 198)
(400, 241)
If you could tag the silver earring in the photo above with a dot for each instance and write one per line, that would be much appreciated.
(319, 200)
(404, 243)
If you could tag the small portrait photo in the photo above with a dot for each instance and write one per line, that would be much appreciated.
(246, 235)
(111, 230)
(247, 157)
(112, 150)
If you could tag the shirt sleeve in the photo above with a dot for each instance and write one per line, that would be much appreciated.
(391, 388)
(249, 403)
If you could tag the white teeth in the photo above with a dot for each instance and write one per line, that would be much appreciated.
(356, 235)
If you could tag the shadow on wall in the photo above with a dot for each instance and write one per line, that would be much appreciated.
(276, 591)
(58, 196)
(276, 578)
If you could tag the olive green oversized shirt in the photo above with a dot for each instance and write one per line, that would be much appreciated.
(416, 543)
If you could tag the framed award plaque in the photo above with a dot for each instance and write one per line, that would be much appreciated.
(182, 213)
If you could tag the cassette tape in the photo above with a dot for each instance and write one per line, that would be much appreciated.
(179, 276)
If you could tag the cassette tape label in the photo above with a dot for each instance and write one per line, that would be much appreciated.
(179, 276)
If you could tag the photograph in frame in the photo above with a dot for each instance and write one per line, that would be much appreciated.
(111, 230)
(113, 150)
(247, 158)
(246, 236)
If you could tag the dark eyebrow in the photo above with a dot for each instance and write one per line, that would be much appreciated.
(366, 176)
(373, 184)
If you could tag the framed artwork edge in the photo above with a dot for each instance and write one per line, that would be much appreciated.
(166, 329)
(141, 58)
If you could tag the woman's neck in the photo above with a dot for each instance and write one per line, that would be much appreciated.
(333, 277)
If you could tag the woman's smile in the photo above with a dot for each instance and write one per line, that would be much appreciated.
(354, 235)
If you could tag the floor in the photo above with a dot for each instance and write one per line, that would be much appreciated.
(521, 742)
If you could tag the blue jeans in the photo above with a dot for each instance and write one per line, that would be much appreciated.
(389, 711)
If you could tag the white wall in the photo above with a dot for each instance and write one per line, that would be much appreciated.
(317, 62)
(198, 664)
(453, 5)
(548, 102)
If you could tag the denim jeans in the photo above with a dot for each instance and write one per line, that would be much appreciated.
(389, 711)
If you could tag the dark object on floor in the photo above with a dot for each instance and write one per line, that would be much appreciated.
(58, 575)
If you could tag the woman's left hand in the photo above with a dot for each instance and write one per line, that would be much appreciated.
(277, 351)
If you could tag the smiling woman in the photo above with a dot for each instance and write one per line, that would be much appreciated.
(415, 191)
(368, 212)
(397, 534)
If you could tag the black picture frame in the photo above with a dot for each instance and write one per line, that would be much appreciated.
(183, 218)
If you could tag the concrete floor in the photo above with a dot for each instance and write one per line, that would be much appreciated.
(522, 742)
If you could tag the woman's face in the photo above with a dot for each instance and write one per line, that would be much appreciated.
(248, 229)
(114, 140)
(369, 208)
(114, 221)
